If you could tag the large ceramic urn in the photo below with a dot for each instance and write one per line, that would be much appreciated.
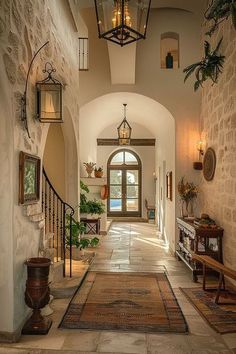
(37, 295)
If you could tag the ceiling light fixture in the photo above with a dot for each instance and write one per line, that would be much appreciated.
(124, 130)
(122, 21)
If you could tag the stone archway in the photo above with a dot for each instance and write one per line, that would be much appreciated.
(106, 111)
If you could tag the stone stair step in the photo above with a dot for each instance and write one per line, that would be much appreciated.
(67, 287)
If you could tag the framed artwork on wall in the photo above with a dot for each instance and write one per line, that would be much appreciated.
(169, 186)
(29, 178)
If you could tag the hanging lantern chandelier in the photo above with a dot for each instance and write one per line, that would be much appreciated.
(122, 21)
(124, 130)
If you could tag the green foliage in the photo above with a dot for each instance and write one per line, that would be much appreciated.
(219, 11)
(89, 206)
(209, 68)
(77, 229)
(98, 169)
(95, 207)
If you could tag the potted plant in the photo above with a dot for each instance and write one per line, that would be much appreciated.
(94, 208)
(78, 241)
(98, 172)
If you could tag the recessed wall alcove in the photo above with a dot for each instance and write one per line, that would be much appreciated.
(169, 50)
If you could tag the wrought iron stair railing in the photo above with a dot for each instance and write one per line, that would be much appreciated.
(58, 223)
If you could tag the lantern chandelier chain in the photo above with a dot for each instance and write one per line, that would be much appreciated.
(24, 97)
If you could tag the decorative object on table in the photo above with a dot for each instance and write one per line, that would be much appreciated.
(37, 295)
(104, 192)
(98, 172)
(29, 178)
(89, 166)
(49, 97)
(210, 67)
(220, 317)
(197, 165)
(122, 21)
(169, 186)
(187, 192)
(124, 130)
(205, 221)
(169, 61)
(209, 164)
(145, 300)
(218, 11)
(24, 117)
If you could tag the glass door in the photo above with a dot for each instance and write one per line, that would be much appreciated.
(124, 179)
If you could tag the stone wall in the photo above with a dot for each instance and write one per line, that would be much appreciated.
(218, 125)
(24, 27)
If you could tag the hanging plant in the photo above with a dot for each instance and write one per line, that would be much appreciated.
(209, 68)
(219, 11)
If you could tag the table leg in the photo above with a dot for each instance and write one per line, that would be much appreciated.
(219, 288)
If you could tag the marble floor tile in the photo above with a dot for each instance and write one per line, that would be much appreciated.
(83, 341)
(230, 340)
(117, 342)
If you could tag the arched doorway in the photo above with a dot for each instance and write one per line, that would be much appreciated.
(124, 172)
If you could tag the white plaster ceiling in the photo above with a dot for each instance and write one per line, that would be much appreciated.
(127, 54)
(188, 5)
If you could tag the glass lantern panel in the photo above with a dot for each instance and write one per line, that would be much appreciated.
(50, 102)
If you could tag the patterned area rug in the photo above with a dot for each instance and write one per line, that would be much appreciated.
(220, 317)
(140, 302)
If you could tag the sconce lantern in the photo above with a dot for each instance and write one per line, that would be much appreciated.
(49, 97)
(124, 130)
(122, 21)
(200, 147)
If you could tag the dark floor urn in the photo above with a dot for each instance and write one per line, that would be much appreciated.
(37, 295)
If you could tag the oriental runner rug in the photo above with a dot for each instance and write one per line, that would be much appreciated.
(139, 302)
(221, 317)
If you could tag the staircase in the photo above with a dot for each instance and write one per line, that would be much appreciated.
(58, 228)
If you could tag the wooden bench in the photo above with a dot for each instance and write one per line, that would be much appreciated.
(209, 262)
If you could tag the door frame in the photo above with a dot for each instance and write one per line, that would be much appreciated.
(125, 167)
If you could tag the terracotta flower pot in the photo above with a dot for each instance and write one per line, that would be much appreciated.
(98, 174)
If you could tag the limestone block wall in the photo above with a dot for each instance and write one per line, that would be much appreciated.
(218, 125)
(24, 26)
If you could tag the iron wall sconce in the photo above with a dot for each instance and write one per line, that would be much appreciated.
(49, 97)
(24, 117)
(197, 165)
(124, 130)
(122, 21)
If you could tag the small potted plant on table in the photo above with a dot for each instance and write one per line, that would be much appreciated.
(98, 172)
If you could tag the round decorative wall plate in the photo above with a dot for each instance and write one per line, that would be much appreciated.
(209, 164)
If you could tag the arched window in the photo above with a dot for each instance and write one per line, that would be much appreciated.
(124, 180)
(170, 50)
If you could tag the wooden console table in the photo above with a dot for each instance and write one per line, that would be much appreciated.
(92, 226)
(198, 240)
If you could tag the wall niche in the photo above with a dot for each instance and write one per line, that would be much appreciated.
(169, 50)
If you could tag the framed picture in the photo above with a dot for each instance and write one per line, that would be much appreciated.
(29, 178)
(169, 186)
